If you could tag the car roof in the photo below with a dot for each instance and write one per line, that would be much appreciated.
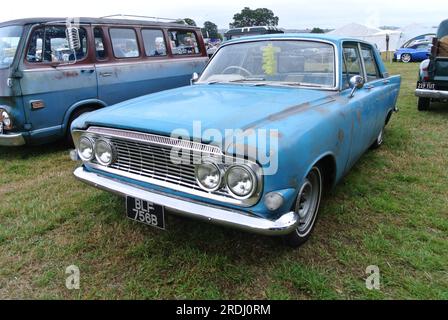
(84, 20)
(311, 36)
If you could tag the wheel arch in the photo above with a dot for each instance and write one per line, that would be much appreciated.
(328, 166)
(91, 103)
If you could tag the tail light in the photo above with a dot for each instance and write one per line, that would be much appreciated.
(424, 70)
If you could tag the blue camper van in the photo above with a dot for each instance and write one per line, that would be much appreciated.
(52, 72)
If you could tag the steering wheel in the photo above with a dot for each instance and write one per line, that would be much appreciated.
(247, 72)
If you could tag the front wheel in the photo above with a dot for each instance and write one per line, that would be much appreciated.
(423, 104)
(406, 58)
(307, 207)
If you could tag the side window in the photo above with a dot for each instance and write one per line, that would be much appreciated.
(372, 69)
(100, 48)
(49, 44)
(154, 42)
(352, 64)
(124, 43)
(183, 42)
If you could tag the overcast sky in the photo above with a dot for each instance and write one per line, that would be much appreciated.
(292, 13)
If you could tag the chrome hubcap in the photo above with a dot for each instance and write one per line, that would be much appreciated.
(308, 203)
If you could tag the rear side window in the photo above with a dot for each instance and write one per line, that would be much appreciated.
(352, 64)
(154, 42)
(372, 70)
(49, 44)
(183, 42)
(100, 48)
(124, 43)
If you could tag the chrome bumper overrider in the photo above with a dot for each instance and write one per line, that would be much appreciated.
(434, 94)
(226, 217)
(12, 140)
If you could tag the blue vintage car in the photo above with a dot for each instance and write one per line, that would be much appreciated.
(414, 53)
(272, 123)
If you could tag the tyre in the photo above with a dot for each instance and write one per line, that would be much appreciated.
(379, 140)
(307, 207)
(423, 104)
(406, 58)
(73, 117)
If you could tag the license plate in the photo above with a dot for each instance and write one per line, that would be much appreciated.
(398, 56)
(145, 212)
(426, 85)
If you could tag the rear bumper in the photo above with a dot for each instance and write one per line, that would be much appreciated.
(213, 214)
(12, 140)
(433, 94)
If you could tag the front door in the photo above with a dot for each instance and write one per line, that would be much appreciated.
(52, 81)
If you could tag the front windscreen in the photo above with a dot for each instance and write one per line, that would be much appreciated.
(9, 41)
(280, 62)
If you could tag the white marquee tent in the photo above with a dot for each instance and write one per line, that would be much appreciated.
(377, 36)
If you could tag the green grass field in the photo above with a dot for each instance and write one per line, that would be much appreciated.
(390, 211)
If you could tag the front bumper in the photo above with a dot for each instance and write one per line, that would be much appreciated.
(230, 218)
(433, 94)
(12, 140)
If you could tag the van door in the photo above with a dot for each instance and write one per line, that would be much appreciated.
(54, 78)
(142, 63)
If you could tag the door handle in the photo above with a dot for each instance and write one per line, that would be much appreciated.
(106, 74)
(386, 81)
(89, 71)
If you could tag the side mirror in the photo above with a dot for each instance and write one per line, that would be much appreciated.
(356, 83)
(73, 38)
(194, 78)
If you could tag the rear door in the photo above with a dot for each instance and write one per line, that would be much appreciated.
(142, 60)
(51, 81)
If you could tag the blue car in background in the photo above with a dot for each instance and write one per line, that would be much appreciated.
(414, 53)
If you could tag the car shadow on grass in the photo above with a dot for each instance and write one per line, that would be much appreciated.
(27, 152)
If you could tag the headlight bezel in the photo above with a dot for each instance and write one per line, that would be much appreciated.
(5, 115)
(252, 175)
(92, 142)
(113, 152)
(221, 176)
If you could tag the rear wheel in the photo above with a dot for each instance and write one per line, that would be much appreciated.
(406, 58)
(307, 207)
(423, 104)
(73, 117)
(379, 140)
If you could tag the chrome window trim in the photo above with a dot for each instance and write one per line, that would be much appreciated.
(156, 140)
(337, 61)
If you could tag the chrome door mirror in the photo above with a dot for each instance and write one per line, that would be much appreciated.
(194, 78)
(356, 83)
(73, 38)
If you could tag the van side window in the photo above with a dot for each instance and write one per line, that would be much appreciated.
(49, 44)
(154, 43)
(372, 70)
(100, 48)
(352, 64)
(124, 43)
(183, 42)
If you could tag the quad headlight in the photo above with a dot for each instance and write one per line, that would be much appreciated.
(241, 181)
(86, 149)
(104, 152)
(209, 176)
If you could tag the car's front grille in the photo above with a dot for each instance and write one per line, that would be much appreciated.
(149, 158)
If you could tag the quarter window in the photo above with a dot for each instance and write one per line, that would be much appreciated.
(352, 64)
(154, 43)
(49, 44)
(372, 70)
(183, 42)
(124, 43)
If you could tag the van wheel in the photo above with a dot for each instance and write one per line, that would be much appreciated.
(423, 104)
(307, 207)
(73, 117)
